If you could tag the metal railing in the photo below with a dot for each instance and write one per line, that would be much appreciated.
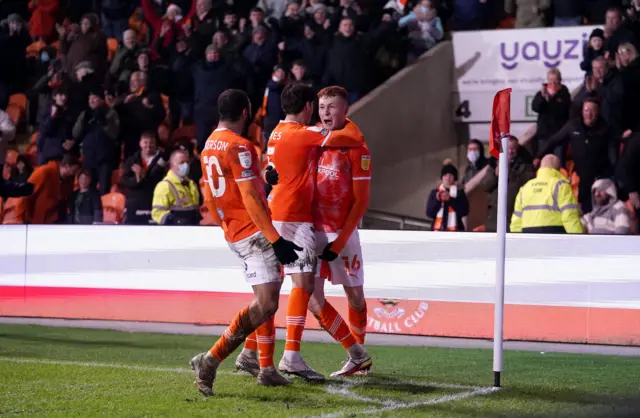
(374, 219)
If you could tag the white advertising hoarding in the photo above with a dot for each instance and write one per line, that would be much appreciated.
(488, 61)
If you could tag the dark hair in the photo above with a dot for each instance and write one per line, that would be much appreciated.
(70, 160)
(300, 63)
(257, 9)
(295, 97)
(231, 104)
(480, 146)
(592, 100)
(59, 90)
(614, 9)
(85, 172)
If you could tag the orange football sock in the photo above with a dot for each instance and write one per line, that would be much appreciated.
(296, 317)
(233, 336)
(333, 323)
(251, 343)
(266, 336)
(358, 323)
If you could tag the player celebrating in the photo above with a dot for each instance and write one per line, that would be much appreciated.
(341, 200)
(292, 150)
(235, 197)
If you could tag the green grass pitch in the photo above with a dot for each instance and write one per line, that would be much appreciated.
(66, 372)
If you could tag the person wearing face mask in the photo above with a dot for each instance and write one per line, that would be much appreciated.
(176, 198)
(476, 158)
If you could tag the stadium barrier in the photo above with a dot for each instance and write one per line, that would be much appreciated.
(558, 288)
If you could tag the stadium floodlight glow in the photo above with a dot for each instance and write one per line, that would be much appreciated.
(501, 235)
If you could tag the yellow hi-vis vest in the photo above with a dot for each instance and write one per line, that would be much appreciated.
(546, 204)
(171, 195)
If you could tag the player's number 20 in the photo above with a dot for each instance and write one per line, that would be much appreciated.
(210, 161)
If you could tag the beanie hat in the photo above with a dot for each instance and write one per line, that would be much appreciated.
(259, 28)
(97, 90)
(449, 168)
(318, 6)
(597, 33)
(174, 8)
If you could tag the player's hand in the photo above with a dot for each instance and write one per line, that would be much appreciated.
(285, 251)
(271, 176)
(328, 254)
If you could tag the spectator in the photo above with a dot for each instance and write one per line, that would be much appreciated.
(320, 23)
(142, 172)
(156, 75)
(96, 129)
(14, 40)
(476, 160)
(140, 111)
(211, 77)
(47, 204)
(203, 26)
(616, 33)
(85, 81)
(54, 137)
(521, 170)
(89, 44)
(115, 17)
(594, 148)
(447, 204)
(629, 65)
(40, 96)
(425, 29)
(609, 215)
(182, 86)
(176, 198)
(595, 10)
(568, 13)
(468, 15)
(292, 23)
(195, 167)
(22, 171)
(606, 86)
(311, 49)
(546, 204)
(593, 50)
(529, 13)
(350, 55)
(553, 105)
(124, 62)
(260, 56)
(85, 204)
(42, 20)
(7, 133)
(168, 27)
(274, 113)
(628, 169)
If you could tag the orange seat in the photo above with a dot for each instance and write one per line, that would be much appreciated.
(184, 131)
(19, 100)
(164, 133)
(481, 228)
(113, 207)
(1, 208)
(15, 114)
(34, 138)
(9, 212)
(112, 47)
(32, 154)
(6, 171)
(34, 49)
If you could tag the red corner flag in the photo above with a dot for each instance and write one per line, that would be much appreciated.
(500, 120)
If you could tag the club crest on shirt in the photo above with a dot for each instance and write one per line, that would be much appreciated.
(365, 162)
(245, 159)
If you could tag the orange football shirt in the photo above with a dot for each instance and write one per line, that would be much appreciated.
(292, 151)
(334, 198)
(227, 159)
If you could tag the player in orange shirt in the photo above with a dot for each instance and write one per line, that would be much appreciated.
(341, 200)
(236, 199)
(292, 151)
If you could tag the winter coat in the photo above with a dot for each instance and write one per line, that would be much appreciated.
(97, 131)
(552, 114)
(85, 208)
(52, 134)
(610, 218)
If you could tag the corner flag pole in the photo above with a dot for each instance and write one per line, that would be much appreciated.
(503, 182)
(499, 148)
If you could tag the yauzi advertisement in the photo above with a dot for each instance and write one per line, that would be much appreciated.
(488, 61)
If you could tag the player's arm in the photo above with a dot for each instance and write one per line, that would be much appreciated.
(258, 211)
(347, 137)
(210, 203)
(361, 181)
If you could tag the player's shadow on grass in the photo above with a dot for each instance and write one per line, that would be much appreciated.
(401, 386)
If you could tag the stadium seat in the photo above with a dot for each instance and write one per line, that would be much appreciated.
(19, 103)
(164, 134)
(112, 47)
(184, 131)
(32, 154)
(6, 171)
(116, 175)
(9, 212)
(34, 49)
(34, 138)
(113, 208)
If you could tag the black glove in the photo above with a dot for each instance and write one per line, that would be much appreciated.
(13, 189)
(285, 251)
(271, 175)
(328, 254)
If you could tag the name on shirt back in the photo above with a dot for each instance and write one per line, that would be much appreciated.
(216, 145)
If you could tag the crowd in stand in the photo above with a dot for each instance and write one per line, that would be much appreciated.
(595, 135)
(124, 89)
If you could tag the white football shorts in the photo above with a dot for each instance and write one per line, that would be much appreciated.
(260, 262)
(346, 270)
(303, 235)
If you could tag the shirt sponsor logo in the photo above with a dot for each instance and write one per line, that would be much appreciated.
(247, 173)
(395, 316)
(250, 275)
(365, 162)
(271, 150)
(245, 159)
(328, 172)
